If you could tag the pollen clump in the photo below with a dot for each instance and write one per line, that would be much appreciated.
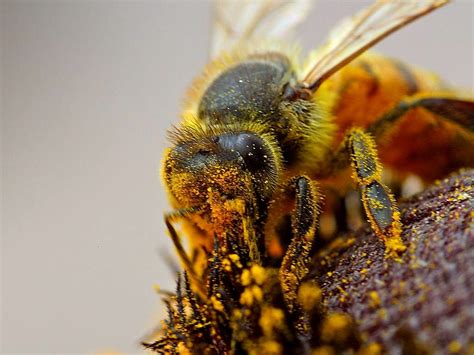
(336, 327)
(258, 274)
(217, 304)
(271, 318)
(454, 347)
(374, 299)
(371, 349)
(250, 295)
(269, 347)
(394, 247)
(309, 296)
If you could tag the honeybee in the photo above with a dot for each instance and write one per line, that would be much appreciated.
(263, 136)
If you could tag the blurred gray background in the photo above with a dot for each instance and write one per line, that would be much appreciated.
(88, 91)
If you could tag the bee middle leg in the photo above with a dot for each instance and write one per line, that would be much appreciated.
(378, 201)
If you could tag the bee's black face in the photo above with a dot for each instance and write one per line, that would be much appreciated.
(235, 164)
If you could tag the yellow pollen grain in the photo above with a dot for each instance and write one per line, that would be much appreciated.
(218, 306)
(226, 265)
(257, 293)
(259, 274)
(270, 319)
(182, 349)
(246, 298)
(270, 347)
(246, 277)
(377, 204)
(374, 299)
(335, 326)
(237, 314)
(341, 290)
(454, 347)
(394, 247)
(371, 349)
(235, 259)
(309, 296)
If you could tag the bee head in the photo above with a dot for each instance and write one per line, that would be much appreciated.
(233, 164)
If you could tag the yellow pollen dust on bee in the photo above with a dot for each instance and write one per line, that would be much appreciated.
(378, 201)
(252, 279)
(263, 142)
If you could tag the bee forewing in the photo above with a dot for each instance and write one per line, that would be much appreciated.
(236, 21)
(356, 34)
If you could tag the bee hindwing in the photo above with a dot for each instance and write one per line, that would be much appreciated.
(238, 21)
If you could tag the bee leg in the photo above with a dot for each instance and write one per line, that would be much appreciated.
(304, 220)
(379, 203)
(169, 218)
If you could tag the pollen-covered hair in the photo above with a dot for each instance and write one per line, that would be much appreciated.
(198, 137)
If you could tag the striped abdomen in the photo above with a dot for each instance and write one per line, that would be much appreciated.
(420, 142)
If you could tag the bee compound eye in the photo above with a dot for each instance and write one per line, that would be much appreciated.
(247, 146)
(255, 155)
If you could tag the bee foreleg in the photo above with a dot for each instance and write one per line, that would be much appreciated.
(378, 201)
(304, 220)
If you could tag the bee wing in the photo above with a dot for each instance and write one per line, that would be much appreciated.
(236, 21)
(355, 35)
